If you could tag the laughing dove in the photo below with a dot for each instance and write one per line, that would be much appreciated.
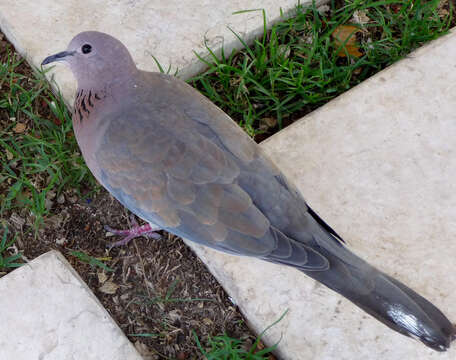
(179, 162)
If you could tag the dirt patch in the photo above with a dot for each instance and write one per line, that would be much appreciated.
(158, 287)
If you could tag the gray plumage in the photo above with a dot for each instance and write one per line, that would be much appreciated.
(179, 162)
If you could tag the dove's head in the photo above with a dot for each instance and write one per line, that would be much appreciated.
(95, 57)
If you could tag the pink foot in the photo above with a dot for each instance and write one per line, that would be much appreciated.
(135, 231)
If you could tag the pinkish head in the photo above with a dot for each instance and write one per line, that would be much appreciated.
(95, 57)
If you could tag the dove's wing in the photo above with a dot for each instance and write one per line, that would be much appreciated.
(196, 174)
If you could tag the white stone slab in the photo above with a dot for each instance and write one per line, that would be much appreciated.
(379, 164)
(169, 30)
(47, 312)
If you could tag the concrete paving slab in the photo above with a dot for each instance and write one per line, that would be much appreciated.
(169, 30)
(379, 165)
(47, 312)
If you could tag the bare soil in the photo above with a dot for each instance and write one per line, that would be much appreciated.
(158, 287)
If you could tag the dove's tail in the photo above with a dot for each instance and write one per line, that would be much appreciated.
(383, 297)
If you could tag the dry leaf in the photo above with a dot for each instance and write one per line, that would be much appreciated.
(360, 17)
(181, 356)
(57, 121)
(9, 155)
(17, 220)
(109, 287)
(441, 8)
(270, 121)
(284, 50)
(340, 36)
(395, 8)
(48, 204)
(19, 128)
(175, 315)
(102, 277)
(207, 321)
(323, 9)
(144, 350)
(358, 70)
(55, 221)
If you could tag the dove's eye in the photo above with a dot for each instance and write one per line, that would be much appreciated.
(86, 48)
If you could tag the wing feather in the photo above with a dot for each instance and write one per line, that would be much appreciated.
(190, 169)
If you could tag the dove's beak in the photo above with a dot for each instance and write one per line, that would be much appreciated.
(57, 57)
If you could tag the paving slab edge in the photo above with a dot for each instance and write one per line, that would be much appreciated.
(232, 43)
(196, 66)
(66, 265)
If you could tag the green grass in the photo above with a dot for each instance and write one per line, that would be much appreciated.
(41, 159)
(91, 260)
(295, 68)
(224, 347)
(7, 260)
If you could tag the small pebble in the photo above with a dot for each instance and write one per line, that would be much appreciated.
(61, 199)
(60, 241)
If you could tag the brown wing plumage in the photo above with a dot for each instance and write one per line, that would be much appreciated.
(195, 174)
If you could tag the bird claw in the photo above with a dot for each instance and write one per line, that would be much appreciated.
(135, 231)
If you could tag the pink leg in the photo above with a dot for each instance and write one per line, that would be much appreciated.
(135, 231)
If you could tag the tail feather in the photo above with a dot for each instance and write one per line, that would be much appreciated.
(385, 298)
(433, 312)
